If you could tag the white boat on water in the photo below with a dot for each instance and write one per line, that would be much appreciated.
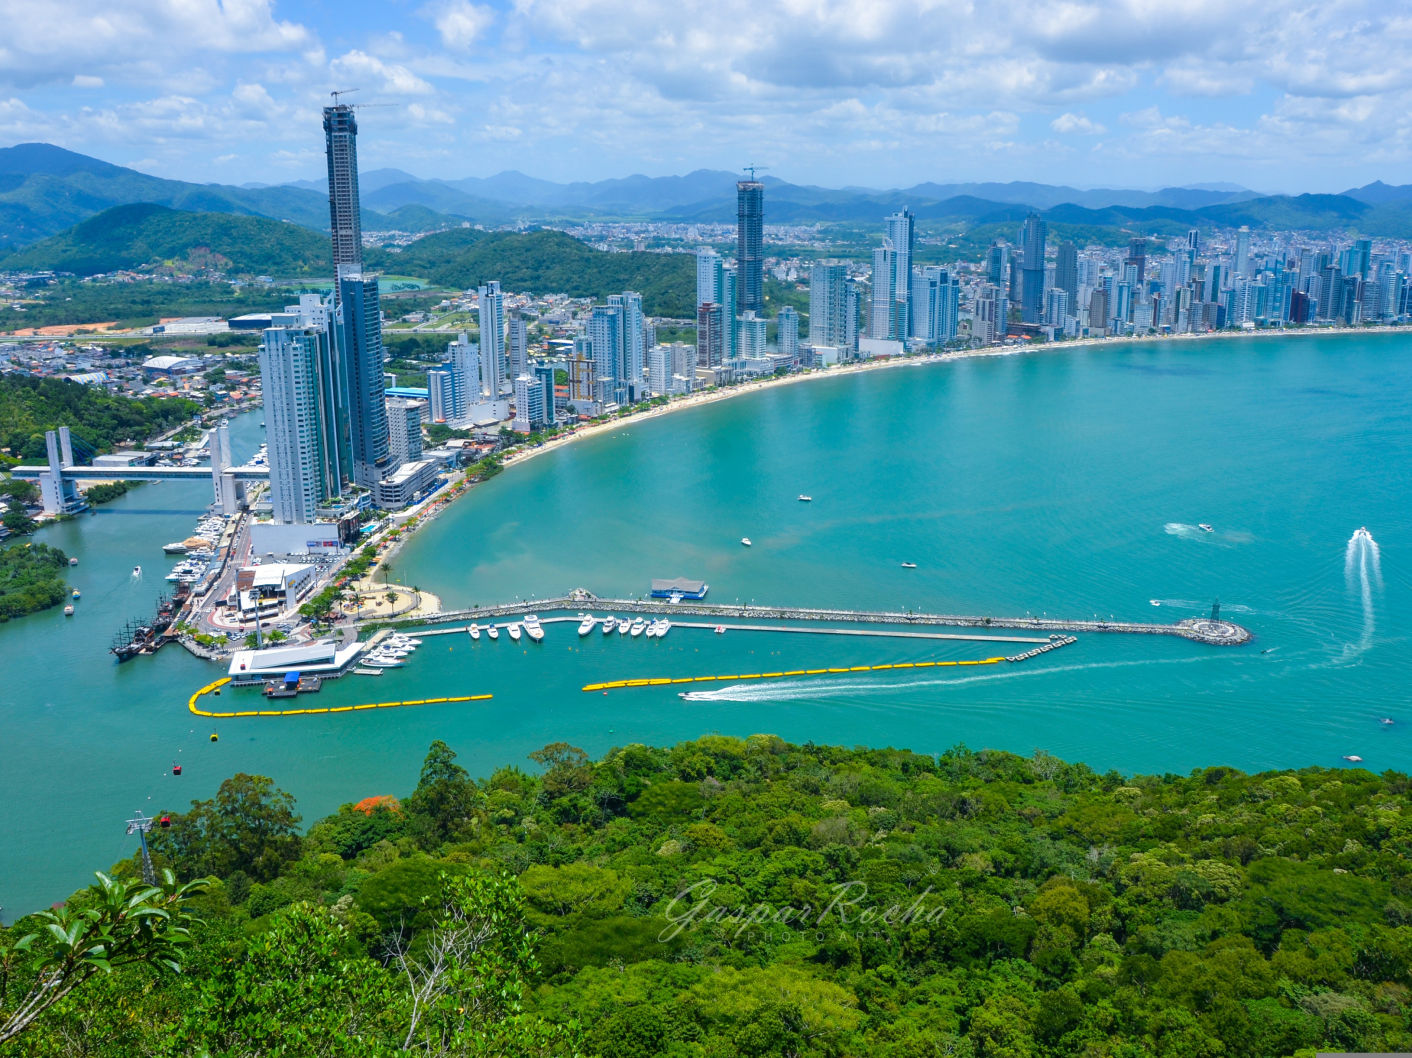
(663, 627)
(514, 630)
(745, 540)
(1354, 759)
(651, 631)
(406, 640)
(533, 627)
(805, 499)
(609, 623)
(474, 630)
(638, 627)
(1208, 528)
(588, 624)
(493, 632)
(623, 626)
(382, 662)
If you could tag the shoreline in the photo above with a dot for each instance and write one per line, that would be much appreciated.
(726, 393)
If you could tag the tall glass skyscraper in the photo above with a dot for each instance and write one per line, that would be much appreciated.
(302, 417)
(1036, 234)
(750, 245)
(360, 343)
(341, 146)
(828, 304)
(491, 304)
(901, 232)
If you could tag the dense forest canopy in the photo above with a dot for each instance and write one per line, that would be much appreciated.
(102, 420)
(729, 897)
(31, 579)
(139, 304)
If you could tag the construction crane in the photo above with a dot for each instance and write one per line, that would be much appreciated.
(356, 106)
(751, 169)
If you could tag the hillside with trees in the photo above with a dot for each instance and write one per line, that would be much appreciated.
(29, 406)
(729, 897)
(144, 236)
(546, 262)
(31, 579)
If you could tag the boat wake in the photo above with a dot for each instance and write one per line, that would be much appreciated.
(814, 689)
(1363, 574)
(1195, 532)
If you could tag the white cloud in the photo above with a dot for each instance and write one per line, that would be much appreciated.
(85, 81)
(459, 22)
(396, 79)
(1077, 123)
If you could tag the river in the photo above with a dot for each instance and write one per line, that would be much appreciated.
(1069, 482)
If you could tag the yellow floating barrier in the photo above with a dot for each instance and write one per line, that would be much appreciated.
(191, 704)
(662, 681)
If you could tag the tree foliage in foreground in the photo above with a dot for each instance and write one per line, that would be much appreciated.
(754, 898)
(31, 578)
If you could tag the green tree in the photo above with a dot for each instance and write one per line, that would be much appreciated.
(116, 925)
(443, 806)
(249, 826)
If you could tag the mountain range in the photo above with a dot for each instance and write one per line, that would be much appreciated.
(45, 190)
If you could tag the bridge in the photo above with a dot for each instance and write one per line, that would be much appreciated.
(1202, 630)
(58, 480)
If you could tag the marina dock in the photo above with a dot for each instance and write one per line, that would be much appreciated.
(1201, 630)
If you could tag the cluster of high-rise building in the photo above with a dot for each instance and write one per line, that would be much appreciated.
(1183, 286)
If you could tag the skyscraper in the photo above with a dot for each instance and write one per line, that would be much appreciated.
(659, 370)
(1066, 270)
(465, 363)
(710, 337)
(731, 308)
(708, 277)
(1137, 258)
(750, 245)
(404, 430)
(605, 332)
(491, 308)
(517, 340)
(360, 345)
(300, 418)
(881, 307)
(1242, 253)
(901, 233)
(1036, 233)
(828, 302)
(997, 264)
(634, 354)
(787, 333)
(341, 146)
(926, 286)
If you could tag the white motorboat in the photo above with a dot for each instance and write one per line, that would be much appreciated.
(69, 610)
(493, 632)
(533, 627)
(909, 565)
(406, 641)
(382, 662)
(514, 630)
(609, 624)
(745, 540)
(651, 631)
(623, 626)
(588, 624)
(637, 627)
(805, 499)
(720, 630)
(1354, 758)
(137, 571)
(474, 630)
(1203, 525)
(663, 627)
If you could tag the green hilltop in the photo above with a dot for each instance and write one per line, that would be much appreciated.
(729, 898)
(148, 236)
(546, 262)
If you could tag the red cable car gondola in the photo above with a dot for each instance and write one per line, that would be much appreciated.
(176, 768)
(165, 822)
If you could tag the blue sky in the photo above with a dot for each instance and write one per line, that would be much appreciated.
(1279, 96)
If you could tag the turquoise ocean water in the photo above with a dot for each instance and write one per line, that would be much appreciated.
(1066, 483)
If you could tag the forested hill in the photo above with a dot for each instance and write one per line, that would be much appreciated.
(755, 898)
(546, 262)
(146, 236)
(101, 420)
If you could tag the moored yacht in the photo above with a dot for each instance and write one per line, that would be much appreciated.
(609, 624)
(637, 627)
(588, 624)
(493, 632)
(533, 627)
(514, 630)
(474, 630)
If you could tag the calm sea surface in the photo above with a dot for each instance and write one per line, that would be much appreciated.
(1069, 483)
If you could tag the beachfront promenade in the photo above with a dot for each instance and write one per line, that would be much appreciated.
(1202, 630)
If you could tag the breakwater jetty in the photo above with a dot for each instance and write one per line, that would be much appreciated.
(1202, 630)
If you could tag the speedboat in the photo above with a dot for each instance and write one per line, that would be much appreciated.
(745, 540)
(1385, 720)
(588, 624)
(532, 626)
(909, 565)
(137, 571)
(77, 593)
(1354, 759)
(69, 610)
(720, 630)
(637, 627)
(805, 499)
(514, 630)
(609, 623)
(623, 626)
(474, 630)
(493, 632)
(1155, 602)
(1203, 525)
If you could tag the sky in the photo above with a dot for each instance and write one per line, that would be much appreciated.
(1281, 96)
